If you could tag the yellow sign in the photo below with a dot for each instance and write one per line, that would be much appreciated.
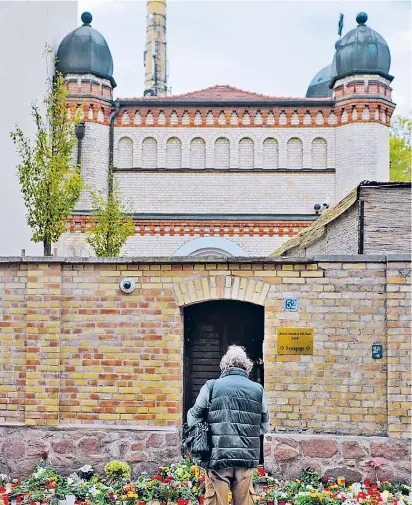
(295, 340)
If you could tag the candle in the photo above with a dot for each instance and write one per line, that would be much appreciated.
(341, 481)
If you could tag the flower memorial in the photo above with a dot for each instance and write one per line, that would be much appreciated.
(183, 484)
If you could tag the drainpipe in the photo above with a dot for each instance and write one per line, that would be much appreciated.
(113, 117)
(80, 131)
(361, 226)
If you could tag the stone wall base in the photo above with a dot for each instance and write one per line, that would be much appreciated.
(286, 455)
(70, 448)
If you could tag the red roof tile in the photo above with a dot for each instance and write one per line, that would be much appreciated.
(220, 93)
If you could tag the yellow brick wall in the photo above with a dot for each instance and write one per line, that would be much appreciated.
(76, 350)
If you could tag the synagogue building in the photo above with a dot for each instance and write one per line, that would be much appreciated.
(222, 171)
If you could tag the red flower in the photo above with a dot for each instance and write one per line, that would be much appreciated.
(366, 483)
(158, 477)
(325, 479)
(361, 495)
(44, 454)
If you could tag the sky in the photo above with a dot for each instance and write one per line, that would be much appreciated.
(269, 47)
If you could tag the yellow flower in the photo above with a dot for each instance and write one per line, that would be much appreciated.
(298, 481)
(124, 497)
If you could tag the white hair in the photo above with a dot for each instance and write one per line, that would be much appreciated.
(236, 357)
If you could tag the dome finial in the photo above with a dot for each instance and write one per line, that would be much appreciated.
(361, 18)
(86, 18)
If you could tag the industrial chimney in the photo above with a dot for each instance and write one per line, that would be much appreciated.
(155, 53)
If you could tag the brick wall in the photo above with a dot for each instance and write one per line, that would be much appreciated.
(362, 154)
(234, 144)
(225, 192)
(95, 162)
(75, 350)
(387, 219)
(74, 244)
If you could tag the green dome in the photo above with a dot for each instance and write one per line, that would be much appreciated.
(85, 51)
(362, 51)
(319, 86)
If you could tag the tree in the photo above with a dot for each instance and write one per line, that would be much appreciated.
(113, 224)
(49, 179)
(400, 149)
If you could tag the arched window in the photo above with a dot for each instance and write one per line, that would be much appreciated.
(295, 153)
(222, 153)
(198, 153)
(246, 153)
(210, 246)
(149, 153)
(125, 153)
(319, 153)
(270, 153)
(174, 153)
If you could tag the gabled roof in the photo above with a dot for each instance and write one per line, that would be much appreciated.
(219, 93)
(318, 228)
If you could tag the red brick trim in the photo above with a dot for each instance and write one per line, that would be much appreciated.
(197, 228)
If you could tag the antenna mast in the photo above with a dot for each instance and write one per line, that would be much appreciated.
(155, 54)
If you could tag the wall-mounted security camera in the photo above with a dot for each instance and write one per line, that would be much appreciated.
(317, 208)
(326, 203)
(127, 285)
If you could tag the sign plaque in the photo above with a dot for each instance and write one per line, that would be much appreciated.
(377, 351)
(291, 304)
(295, 340)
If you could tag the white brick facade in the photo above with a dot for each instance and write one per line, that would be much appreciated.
(277, 162)
(225, 192)
(95, 162)
(363, 155)
(74, 244)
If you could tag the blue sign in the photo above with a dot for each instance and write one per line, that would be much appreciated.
(291, 304)
(377, 351)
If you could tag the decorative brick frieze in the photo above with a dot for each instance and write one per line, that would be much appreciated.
(202, 228)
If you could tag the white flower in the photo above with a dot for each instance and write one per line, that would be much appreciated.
(356, 487)
(86, 469)
(39, 473)
(69, 480)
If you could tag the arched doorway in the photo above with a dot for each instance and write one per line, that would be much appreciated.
(209, 328)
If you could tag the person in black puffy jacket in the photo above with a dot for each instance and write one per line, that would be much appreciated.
(237, 416)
